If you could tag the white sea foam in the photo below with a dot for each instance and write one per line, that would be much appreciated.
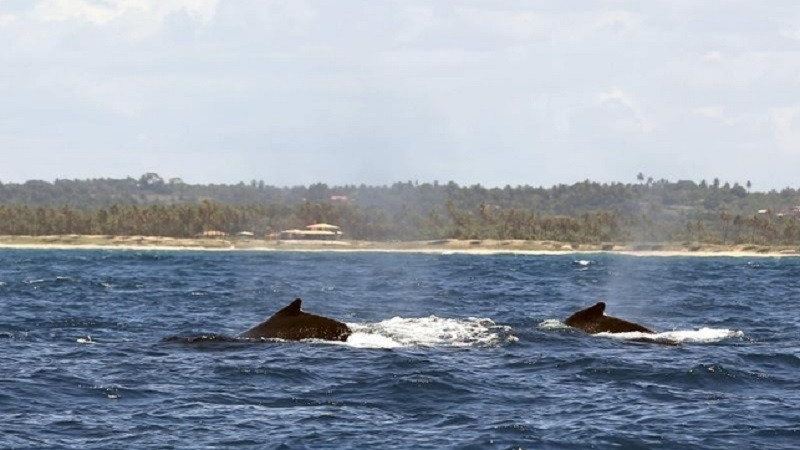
(85, 340)
(702, 336)
(428, 332)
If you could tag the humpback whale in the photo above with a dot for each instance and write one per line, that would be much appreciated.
(593, 320)
(292, 324)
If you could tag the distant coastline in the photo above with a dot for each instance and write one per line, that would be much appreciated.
(476, 247)
(674, 214)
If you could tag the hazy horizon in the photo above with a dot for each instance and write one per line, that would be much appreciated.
(510, 92)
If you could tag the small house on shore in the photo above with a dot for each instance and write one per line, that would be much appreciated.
(213, 234)
(315, 232)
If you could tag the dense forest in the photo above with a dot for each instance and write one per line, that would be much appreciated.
(587, 212)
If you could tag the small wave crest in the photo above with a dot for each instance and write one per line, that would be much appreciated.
(429, 332)
(583, 262)
(553, 324)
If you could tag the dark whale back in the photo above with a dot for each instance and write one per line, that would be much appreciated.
(292, 324)
(593, 320)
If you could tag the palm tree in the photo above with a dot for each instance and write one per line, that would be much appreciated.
(726, 220)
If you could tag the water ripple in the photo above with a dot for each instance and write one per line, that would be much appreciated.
(449, 351)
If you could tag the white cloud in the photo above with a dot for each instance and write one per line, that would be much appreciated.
(786, 128)
(620, 21)
(475, 82)
(713, 56)
(617, 97)
(710, 112)
(717, 113)
(513, 24)
(64, 10)
(793, 33)
(146, 17)
(7, 20)
(417, 21)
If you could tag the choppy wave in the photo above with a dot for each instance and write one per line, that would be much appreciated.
(457, 379)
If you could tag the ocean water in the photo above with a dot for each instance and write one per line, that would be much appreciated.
(449, 351)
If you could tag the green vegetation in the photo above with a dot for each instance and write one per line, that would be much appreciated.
(586, 212)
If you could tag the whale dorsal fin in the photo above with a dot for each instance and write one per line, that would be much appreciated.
(590, 314)
(293, 309)
(598, 310)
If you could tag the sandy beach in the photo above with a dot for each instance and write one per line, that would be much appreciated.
(443, 246)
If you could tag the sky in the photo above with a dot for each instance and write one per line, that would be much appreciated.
(500, 92)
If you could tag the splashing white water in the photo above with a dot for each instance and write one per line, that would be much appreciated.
(703, 335)
(85, 340)
(428, 332)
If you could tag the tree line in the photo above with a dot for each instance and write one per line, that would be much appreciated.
(486, 221)
(661, 199)
(647, 210)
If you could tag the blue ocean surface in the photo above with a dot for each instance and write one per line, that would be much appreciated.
(448, 351)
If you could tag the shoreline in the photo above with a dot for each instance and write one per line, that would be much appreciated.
(442, 246)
